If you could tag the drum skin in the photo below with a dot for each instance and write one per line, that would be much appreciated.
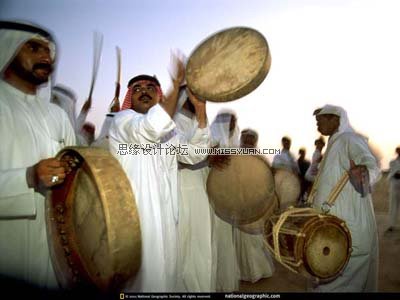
(241, 192)
(258, 226)
(228, 65)
(93, 224)
(322, 244)
(287, 188)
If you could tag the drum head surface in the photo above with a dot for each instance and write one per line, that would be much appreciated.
(93, 224)
(287, 188)
(228, 65)
(258, 227)
(241, 192)
(327, 250)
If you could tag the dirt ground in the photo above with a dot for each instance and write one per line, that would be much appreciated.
(389, 260)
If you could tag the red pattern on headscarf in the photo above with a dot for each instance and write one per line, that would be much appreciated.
(127, 104)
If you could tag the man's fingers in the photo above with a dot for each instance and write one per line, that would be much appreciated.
(50, 163)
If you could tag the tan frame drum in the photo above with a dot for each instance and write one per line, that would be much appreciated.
(228, 65)
(93, 224)
(242, 192)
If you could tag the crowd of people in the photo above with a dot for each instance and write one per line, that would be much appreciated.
(186, 247)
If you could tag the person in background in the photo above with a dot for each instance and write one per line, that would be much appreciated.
(394, 192)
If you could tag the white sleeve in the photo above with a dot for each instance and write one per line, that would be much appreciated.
(198, 142)
(129, 126)
(361, 154)
(16, 198)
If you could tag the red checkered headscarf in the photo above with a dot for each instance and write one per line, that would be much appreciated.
(127, 104)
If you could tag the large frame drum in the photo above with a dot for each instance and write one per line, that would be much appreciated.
(242, 192)
(258, 226)
(315, 245)
(287, 188)
(228, 65)
(93, 224)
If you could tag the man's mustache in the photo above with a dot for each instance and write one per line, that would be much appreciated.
(143, 96)
(42, 66)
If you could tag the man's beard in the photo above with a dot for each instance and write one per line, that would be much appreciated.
(29, 75)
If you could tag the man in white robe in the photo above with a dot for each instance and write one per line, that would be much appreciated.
(224, 134)
(348, 151)
(315, 159)
(153, 175)
(394, 192)
(255, 261)
(102, 140)
(195, 269)
(32, 131)
(285, 160)
(66, 99)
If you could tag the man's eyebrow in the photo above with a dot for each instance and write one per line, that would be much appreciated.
(135, 86)
(151, 84)
(36, 43)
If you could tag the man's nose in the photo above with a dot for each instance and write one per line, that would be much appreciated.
(44, 55)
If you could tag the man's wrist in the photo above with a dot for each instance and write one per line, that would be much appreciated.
(30, 177)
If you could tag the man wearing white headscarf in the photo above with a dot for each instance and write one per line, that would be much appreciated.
(66, 99)
(225, 134)
(32, 131)
(255, 261)
(145, 121)
(394, 192)
(195, 266)
(349, 152)
(285, 160)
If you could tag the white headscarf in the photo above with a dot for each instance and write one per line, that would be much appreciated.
(65, 98)
(341, 113)
(12, 41)
(220, 134)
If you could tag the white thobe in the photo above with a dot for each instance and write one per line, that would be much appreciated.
(31, 129)
(285, 160)
(394, 192)
(153, 178)
(255, 261)
(313, 168)
(195, 270)
(225, 264)
(227, 267)
(103, 139)
(360, 275)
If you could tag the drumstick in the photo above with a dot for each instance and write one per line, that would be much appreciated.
(118, 83)
(114, 106)
(97, 48)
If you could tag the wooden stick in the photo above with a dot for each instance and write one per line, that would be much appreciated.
(118, 83)
(97, 49)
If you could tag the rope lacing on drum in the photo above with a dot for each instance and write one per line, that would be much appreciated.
(276, 229)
